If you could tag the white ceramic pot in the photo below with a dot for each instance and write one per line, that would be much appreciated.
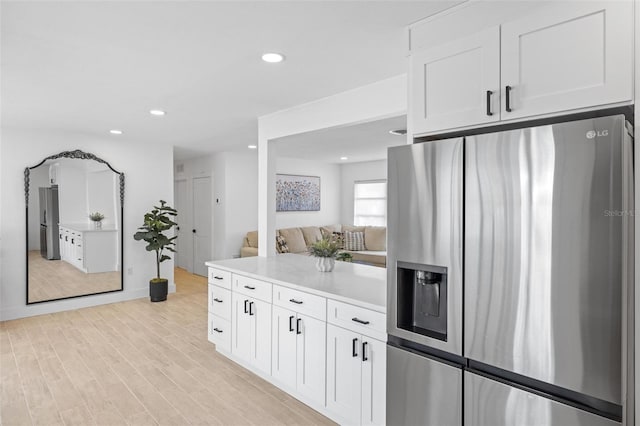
(325, 264)
(97, 224)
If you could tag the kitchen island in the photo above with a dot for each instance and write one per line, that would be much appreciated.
(319, 336)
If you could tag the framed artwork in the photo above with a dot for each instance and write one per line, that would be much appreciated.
(297, 193)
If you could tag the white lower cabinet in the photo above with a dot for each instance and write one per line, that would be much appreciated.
(251, 331)
(320, 350)
(298, 357)
(356, 377)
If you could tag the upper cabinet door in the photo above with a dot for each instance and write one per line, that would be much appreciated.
(456, 84)
(569, 55)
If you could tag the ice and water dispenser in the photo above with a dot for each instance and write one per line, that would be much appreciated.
(422, 299)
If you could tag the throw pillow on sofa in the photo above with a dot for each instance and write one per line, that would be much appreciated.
(375, 238)
(354, 241)
(281, 244)
(295, 240)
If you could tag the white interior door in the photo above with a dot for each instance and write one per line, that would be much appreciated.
(184, 244)
(201, 230)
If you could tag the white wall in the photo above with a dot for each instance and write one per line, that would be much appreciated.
(386, 98)
(352, 172)
(234, 194)
(329, 193)
(144, 186)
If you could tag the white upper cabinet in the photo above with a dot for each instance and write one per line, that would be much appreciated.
(456, 84)
(567, 56)
(557, 57)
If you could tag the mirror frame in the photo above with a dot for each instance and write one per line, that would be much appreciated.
(78, 155)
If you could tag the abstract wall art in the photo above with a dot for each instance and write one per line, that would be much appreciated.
(297, 193)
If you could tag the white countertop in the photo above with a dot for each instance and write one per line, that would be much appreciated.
(85, 227)
(360, 285)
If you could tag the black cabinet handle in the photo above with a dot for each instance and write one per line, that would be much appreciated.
(291, 323)
(250, 310)
(297, 302)
(507, 90)
(298, 326)
(489, 93)
(217, 300)
(364, 351)
(193, 230)
(356, 319)
(217, 330)
(217, 278)
(249, 287)
(245, 307)
(72, 241)
(354, 343)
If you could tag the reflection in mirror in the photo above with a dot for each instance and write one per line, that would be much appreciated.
(74, 227)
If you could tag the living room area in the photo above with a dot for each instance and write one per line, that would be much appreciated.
(330, 183)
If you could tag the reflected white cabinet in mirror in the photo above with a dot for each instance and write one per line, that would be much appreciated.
(68, 255)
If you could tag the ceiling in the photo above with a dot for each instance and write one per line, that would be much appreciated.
(359, 142)
(86, 67)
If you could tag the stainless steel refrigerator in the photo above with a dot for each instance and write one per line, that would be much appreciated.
(49, 231)
(510, 278)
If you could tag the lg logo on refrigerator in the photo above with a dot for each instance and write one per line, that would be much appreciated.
(593, 133)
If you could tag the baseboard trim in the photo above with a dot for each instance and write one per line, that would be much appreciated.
(45, 308)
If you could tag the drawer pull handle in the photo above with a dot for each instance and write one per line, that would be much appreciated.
(364, 351)
(218, 278)
(249, 287)
(250, 310)
(217, 330)
(217, 300)
(297, 302)
(358, 320)
(291, 323)
(354, 344)
(298, 326)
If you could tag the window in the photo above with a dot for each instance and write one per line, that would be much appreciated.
(370, 203)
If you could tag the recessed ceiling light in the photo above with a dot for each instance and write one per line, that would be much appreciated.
(399, 132)
(157, 112)
(273, 57)
(252, 146)
(115, 132)
(344, 158)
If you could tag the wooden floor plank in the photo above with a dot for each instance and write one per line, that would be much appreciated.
(133, 363)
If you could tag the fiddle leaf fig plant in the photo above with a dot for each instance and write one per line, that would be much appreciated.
(156, 222)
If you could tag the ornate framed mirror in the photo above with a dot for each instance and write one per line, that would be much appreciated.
(74, 204)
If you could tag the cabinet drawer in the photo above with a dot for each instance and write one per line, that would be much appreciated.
(219, 332)
(220, 277)
(360, 320)
(220, 302)
(252, 287)
(299, 301)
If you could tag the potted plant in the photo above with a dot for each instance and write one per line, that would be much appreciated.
(156, 222)
(96, 218)
(326, 250)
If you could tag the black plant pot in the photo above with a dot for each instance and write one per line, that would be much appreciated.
(158, 289)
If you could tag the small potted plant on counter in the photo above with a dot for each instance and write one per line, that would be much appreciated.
(156, 222)
(325, 250)
(96, 219)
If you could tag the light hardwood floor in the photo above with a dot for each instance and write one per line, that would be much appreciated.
(133, 363)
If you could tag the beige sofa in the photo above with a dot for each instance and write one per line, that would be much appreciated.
(298, 239)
